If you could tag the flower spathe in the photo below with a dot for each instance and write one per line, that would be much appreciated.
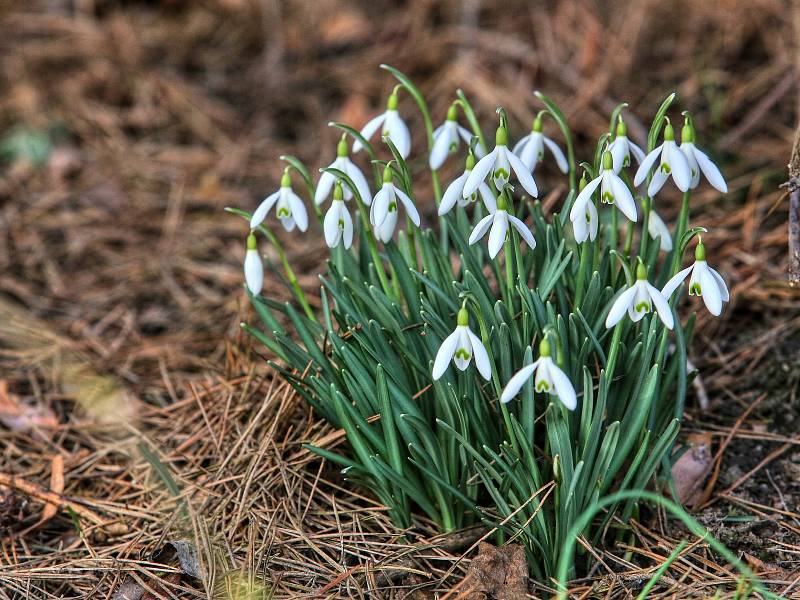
(447, 138)
(671, 162)
(391, 125)
(337, 224)
(549, 379)
(347, 166)
(638, 300)
(499, 163)
(612, 191)
(460, 347)
(704, 282)
(253, 267)
(454, 194)
(383, 212)
(530, 148)
(289, 208)
(699, 161)
(499, 221)
(622, 148)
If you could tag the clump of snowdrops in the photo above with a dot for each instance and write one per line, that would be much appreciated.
(488, 360)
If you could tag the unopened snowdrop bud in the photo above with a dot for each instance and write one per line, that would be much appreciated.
(638, 300)
(337, 224)
(253, 267)
(391, 125)
(499, 222)
(383, 212)
(530, 148)
(704, 282)
(460, 346)
(290, 209)
(672, 162)
(446, 139)
(343, 163)
(612, 191)
(454, 194)
(550, 379)
(622, 148)
(699, 161)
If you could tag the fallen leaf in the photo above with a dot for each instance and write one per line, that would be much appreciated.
(498, 573)
(56, 486)
(18, 416)
(692, 468)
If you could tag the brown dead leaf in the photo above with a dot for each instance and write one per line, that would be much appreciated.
(18, 416)
(498, 573)
(56, 486)
(692, 468)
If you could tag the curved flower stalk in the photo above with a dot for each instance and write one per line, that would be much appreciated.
(253, 267)
(530, 148)
(550, 379)
(344, 164)
(383, 212)
(638, 300)
(658, 229)
(337, 224)
(704, 282)
(447, 138)
(499, 221)
(290, 209)
(391, 124)
(622, 148)
(612, 191)
(454, 194)
(499, 163)
(460, 346)
(672, 162)
(699, 161)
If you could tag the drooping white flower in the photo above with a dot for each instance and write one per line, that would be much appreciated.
(344, 164)
(550, 379)
(499, 163)
(460, 346)
(704, 282)
(454, 194)
(337, 224)
(672, 162)
(622, 148)
(288, 207)
(638, 300)
(253, 267)
(699, 161)
(446, 139)
(499, 221)
(391, 125)
(612, 191)
(530, 148)
(586, 227)
(383, 212)
(658, 229)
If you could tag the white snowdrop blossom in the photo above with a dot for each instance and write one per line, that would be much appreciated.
(638, 300)
(699, 161)
(348, 167)
(586, 227)
(612, 191)
(289, 209)
(658, 229)
(704, 282)
(672, 162)
(454, 194)
(446, 139)
(622, 148)
(530, 148)
(383, 212)
(337, 224)
(499, 163)
(499, 221)
(391, 125)
(460, 347)
(253, 267)
(549, 379)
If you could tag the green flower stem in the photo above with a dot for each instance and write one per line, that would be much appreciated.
(646, 204)
(680, 229)
(298, 291)
(373, 250)
(614, 241)
(509, 260)
(411, 239)
(582, 267)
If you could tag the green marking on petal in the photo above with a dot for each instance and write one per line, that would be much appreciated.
(473, 197)
(665, 168)
(462, 353)
(626, 162)
(341, 224)
(607, 197)
(540, 156)
(501, 174)
(392, 207)
(695, 289)
(453, 147)
(642, 307)
(284, 213)
(542, 386)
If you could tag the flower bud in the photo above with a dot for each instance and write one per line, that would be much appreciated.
(537, 124)
(391, 103)
(544, 347)
(501, 136)
(622, 129)
(341, 148)
(286, 179)
(452, 112)
(387, 174)
(669, 133)
(641, 271)
(608, 161)
(700, 251)
(463, 317)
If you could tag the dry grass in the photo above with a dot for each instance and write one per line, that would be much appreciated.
(120, 275)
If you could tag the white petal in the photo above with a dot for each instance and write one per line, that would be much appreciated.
(359, 180)
(688, 151)
(723, 288)
(369, 130)
(497, 236)
(657, 182)
(481, 228)
(324, 185)
(465, 344)
(658, 229)
(481, 356)
(452, 194)
(561, 160)
(330, 224)
(622, 197)
(675, 281)
(299, 213)
(529, 155)
(385, 230)
(441, 148)
(520, 145)
(618, 149)
(662, 306)
(619, 307)
(579, 206)
(409, 205)
(636, 151)
(253, 272)
(479, 173)
(380, 204)
(445, 354)
(579, 228)
(564, 389)
(594, 221)
(647, 164)
(347, 234)
(398, 132)
(288, 223)
(466, 135)
(681, 173)
(710, 290)
(523, 175)
(487, 197)
(711, 171)
(523, 230)
(519, 379)
(263, 209)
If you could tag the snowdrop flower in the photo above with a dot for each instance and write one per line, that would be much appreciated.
(638, 300)
(699, 161)
(446, 139)
(658, 229)
(612, 191)
(383, 212)
(391, 125)
(672, 162)
(530, 149)
(705, 282)
(253, 268)
(586, 227)
(454, 194)
(344, 164)
(549, 379)
(290, 209)
(460, 346)
(499, 220)
(499, 163)
(337, 224)
(622, 148)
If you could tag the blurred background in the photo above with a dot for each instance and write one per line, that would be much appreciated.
(126, 127)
